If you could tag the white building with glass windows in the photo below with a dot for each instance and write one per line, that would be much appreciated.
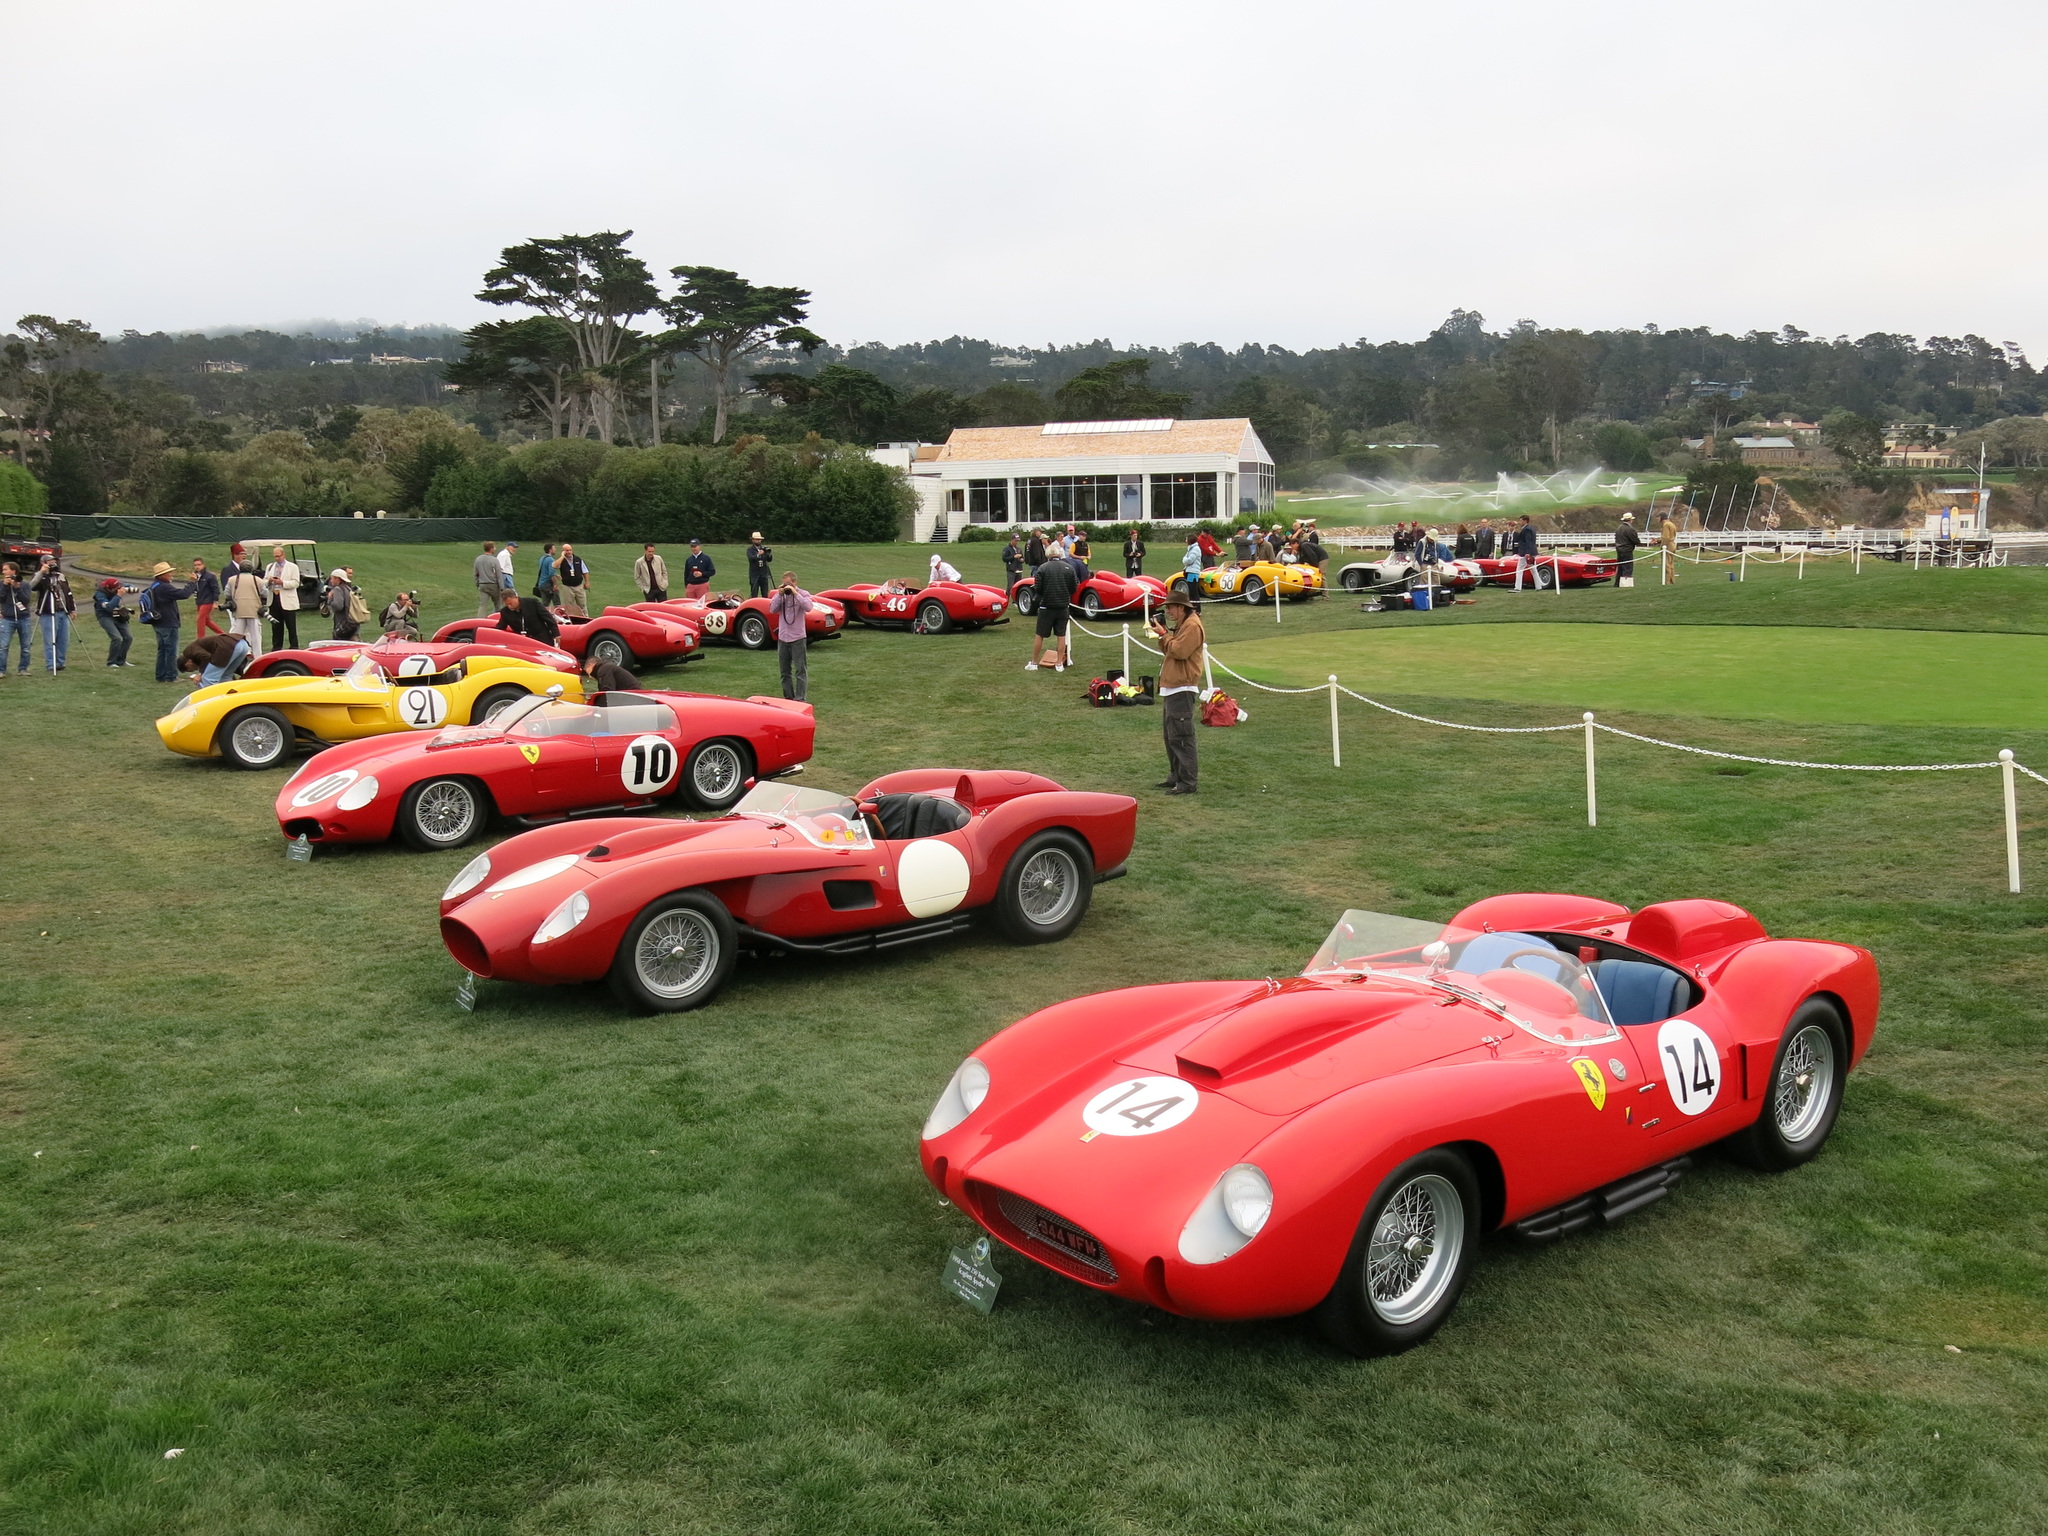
(1158, 471)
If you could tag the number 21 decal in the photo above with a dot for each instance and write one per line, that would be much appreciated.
(1692, 1066)
(422, 708)
(649, 765)
(1139, 1106)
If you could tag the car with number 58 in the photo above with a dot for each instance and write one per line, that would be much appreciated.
(257, 722)
(1337, 1143)
(546, 759)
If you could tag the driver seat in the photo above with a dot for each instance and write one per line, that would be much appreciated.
(1637, 992)
(912, 815)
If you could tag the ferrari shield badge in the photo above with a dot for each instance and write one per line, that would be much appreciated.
(1595, 1084)
(530, 750)
(970, 1276)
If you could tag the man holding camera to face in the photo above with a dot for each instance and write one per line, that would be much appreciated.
(791, 607)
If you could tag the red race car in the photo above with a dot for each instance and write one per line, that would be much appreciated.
(929, 610)
(401, 658)
(662, 907)
(1339, 1141)
(544, 759)
(726, 618)
(1103, 592)
(625, 637)
(1558, 566)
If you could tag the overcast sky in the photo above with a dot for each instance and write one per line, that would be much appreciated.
(1283, 171)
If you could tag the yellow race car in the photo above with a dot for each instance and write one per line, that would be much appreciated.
(1255, 580)
(258, 722)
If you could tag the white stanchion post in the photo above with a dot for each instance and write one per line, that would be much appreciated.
(1592, 803)
(1276, 602)
(1802, 562)
(1208, 675)
(1127, 652)
(2012, 823)
(1145, 608)
(1336, 746)
(1744, 573)
(1556, 577)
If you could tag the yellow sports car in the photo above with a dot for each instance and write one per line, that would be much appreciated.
(1255, 580)
(258, 722)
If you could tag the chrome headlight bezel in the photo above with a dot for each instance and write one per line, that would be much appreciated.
(1215, 1230)
(469, 877)
(962, 1096)
(564, 919)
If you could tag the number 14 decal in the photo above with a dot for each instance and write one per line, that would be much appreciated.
(1692, 1066)
(1139, 1106)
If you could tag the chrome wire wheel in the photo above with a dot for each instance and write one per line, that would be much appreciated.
(1048, 885)
(1801, 1097)
(258, 739)
(716, 773)
(445, 811)
(1416, 1243)
(675, 952)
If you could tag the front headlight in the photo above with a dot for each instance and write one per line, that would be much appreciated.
(358, 794)
(563, 918)
(962, 1097)
(1233, 1213)
(533, 874)
(183, 707)
(474, 874)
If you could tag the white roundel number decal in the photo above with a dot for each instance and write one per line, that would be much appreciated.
(895, 605)
(1227, 581)
(649, 766)
(714, 622)
(416, 666)
(1691, 1066)
(325, 787)
(1140, 1106)
(932, 877)
(422, 708)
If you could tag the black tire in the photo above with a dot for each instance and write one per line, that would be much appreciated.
(1254, 591)
(932, 618)
(1803, 1095)
(1027, 601)
(1045, 889)
(1429, 1195)
(491, 700)
(752, 632)
(1355, 581)
(256, 737)
(685, 973)
(1091, 605)
(439, 814)
(716, 772)
(287, 669)
(608, 645)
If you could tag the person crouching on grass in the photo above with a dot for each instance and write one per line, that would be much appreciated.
(216, 658)
(1180, 684)
(600, 676)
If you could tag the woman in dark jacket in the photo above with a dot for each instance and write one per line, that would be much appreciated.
(1034, 550)
(1134, 554)
(112, 613)
(1466, 547)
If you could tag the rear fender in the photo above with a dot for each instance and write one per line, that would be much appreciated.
(1108, 824)
(1762, 985)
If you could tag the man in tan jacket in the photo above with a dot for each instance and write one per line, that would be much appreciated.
(1667, 536)
(1180, 683)
(243, 596)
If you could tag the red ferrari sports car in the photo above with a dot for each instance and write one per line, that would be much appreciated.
(729, 619)
(625, 637)
(931, 609)
(544, 759)
(662, 907)
(1103, 592)
(401, 658)
(1339, 1141)
(1557, 566)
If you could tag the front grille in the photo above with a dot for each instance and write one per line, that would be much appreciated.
(1045, 1230)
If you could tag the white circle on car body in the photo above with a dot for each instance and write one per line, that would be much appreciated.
(422, 708)
(325, 787)
(649, 765)
(932, 877)
(416, 665)
(714, 621)
(1692, 1065)
(1140, 1106)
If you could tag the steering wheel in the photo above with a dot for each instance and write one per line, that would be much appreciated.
(1508, 960)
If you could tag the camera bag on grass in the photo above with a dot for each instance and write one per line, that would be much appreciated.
(1222, 709)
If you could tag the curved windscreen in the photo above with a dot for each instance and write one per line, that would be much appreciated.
(1525, 979)
(824, 818)
(365, 674)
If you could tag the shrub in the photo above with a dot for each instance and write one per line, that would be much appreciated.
(21, 491)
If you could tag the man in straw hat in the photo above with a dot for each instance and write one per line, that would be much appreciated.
(1626, 541)
(1180, 684)
(759, 556)
(161, 599)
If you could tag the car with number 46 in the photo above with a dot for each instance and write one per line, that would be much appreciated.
(544, 760)
(1338, 1142)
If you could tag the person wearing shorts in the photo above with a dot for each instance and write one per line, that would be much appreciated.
(1053, 587)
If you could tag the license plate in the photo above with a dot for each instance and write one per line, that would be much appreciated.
(1074, 1241)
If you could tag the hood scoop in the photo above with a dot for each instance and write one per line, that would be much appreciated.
(1294, 1018)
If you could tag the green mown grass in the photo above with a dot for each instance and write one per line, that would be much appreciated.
(383, 1266)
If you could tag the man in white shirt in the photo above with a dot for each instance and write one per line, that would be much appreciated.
(650, 575)
(941, 571)
(281, 583)
(505, 576)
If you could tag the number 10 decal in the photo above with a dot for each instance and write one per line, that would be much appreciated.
(1140, 1106)
(649, 765)
(1692, 1066)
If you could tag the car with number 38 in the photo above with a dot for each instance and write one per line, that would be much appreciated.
(543, 760)
(258, 722)
(1337, 1143)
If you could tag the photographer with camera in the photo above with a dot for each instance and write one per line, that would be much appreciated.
(401, 617)
(113, 615)
(791, 606)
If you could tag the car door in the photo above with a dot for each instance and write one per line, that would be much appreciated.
(1692, 1076)
(637, 750)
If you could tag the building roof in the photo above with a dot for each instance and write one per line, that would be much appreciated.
(1765, 442)
(1101, 439)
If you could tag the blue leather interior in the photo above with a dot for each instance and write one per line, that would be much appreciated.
(1489, 950)
(1637, 992)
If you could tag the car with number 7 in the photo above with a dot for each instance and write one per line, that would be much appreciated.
(1337, 1143)
(545, 760)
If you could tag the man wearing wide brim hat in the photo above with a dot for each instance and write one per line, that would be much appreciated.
(1181, 648)
(162, 595)
(1627, 539)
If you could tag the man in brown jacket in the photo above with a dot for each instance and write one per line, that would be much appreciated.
(1180, 683)
(1667, 536)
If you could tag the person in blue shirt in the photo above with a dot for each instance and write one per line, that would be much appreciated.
(162, 596)
(544, 575)
(112, 613)
(697, 572)
(1191, 569)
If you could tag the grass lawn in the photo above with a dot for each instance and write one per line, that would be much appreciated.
(379, 1265)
